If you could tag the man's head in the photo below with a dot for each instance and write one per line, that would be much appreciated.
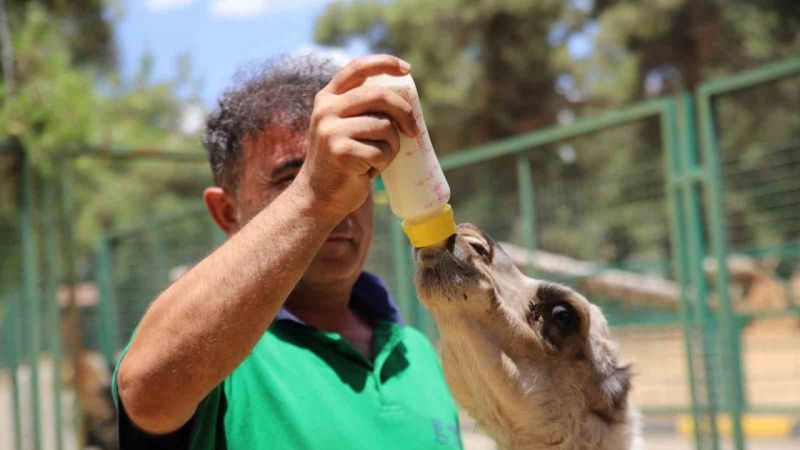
(256, 141)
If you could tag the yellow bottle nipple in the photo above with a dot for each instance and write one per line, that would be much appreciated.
(432, 230)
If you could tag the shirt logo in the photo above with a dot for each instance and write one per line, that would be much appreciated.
(445, 433)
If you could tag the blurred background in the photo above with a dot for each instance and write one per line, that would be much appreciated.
(646, 152)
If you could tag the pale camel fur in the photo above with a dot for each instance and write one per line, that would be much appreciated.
(532, 361)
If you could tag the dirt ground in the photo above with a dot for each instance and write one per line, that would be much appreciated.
(474, 440)
(671, 442)
(46, 414)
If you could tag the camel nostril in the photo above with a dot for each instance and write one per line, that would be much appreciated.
(450, 243)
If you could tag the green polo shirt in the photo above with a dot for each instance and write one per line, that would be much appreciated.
(303, 388)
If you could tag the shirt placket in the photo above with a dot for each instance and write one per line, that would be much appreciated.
(386, 337)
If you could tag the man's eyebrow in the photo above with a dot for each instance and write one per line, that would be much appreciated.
(284, 166)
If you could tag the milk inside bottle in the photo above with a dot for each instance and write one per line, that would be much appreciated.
(415, 185)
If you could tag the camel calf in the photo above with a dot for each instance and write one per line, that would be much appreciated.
(532, 361)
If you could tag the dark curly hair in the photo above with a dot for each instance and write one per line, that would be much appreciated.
(280, 90)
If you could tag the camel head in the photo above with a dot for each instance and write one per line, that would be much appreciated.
(531, 360)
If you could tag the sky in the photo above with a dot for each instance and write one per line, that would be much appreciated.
(217, 35)
(220, 35)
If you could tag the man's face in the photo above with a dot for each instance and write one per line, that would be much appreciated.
(269, 165)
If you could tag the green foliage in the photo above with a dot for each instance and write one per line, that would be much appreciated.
(676, 44)
(61, 107)
(54, 106)
(85, 26)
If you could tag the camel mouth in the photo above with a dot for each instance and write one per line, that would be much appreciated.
(450, 269)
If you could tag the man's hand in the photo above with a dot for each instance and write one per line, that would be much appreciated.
(354, 134)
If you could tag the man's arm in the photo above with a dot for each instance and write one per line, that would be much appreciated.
(199, 329)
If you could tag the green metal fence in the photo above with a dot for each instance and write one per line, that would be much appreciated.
(47, 299)
(31, 396)
(654, 191)
(750, 129)
(679, 216)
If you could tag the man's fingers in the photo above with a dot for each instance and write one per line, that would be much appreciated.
(358, 70)
(376, 154)
(374, 128)
(374, 131)
(379, 100)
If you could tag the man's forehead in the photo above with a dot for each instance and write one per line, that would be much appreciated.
(275, 146)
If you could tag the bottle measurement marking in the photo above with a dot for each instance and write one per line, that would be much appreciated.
(430, 176)
(421, 147)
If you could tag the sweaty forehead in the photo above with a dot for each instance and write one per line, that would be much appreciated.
(273, 147)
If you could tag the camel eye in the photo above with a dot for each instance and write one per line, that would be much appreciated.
(564, 318)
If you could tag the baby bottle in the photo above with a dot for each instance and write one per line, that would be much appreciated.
(415, 185)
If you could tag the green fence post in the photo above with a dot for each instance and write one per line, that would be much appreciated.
(671, 134)
(67, 213)
(52, 272)
(13, 352)
(107, 308)
(719, 241)
(30, 284)
(527, 210)
(693, 176)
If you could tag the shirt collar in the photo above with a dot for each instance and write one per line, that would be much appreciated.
(370, 297)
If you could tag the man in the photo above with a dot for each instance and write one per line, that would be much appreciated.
(278, 339)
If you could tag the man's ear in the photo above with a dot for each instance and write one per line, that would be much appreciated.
(222, 208)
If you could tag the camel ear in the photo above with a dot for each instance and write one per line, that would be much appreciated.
(619, 385)
(615, 390)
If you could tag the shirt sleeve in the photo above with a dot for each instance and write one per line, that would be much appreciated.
(204, 431)
(131, 437)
